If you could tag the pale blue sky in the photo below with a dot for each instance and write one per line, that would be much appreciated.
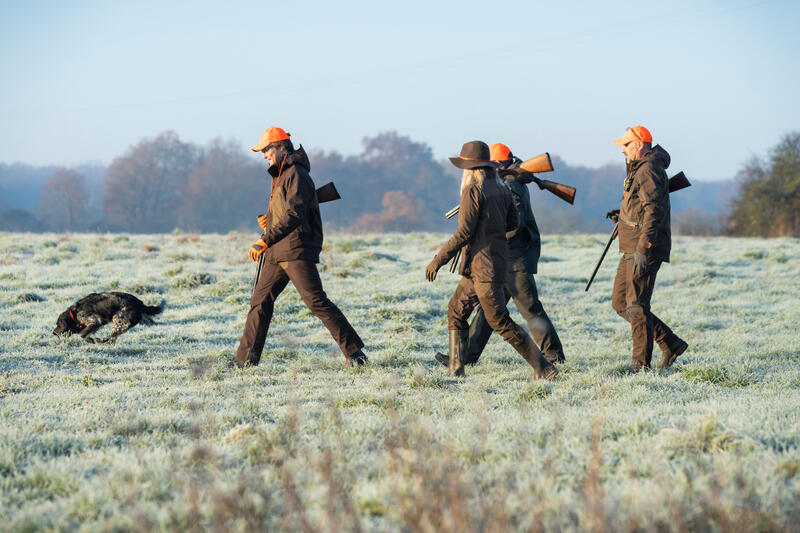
(716, 82)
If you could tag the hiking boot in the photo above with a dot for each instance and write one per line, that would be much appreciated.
(637, 366)
(524, 345)
(357, 359)
(668, 356)
(458, 350)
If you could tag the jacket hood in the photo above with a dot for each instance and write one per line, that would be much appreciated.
(298, 157)
(657, 156)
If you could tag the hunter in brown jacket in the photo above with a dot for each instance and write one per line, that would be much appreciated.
(292, 241)
(486, 213)
(643, 223)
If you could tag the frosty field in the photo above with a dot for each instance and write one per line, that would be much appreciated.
(157, 432)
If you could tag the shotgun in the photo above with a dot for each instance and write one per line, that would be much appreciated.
(538, 164)
(326, 193)
(565, 192)
(676, 183)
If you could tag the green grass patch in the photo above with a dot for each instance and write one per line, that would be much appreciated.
(718, 375)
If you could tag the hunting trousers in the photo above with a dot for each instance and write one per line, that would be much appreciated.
(521, 287)
(492, 299)
(631, 300)
(305, 278)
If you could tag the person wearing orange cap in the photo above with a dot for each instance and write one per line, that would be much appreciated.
(645, 241)
(292, 240)
(524, 246)
(486, 213)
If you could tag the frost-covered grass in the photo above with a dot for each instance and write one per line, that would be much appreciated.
(157, 432)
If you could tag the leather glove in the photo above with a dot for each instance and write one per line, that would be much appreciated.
(262, 222)
(613, 215)
(639, 265)
(257, 249)
(431, 270)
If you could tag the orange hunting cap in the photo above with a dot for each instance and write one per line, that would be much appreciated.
(499, 152)
(636, 133)
(270, 135)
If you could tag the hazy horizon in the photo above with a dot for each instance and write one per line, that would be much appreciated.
(713, 81)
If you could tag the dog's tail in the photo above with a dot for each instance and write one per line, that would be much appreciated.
(154, 310)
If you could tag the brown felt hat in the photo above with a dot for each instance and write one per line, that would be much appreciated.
(474, 154)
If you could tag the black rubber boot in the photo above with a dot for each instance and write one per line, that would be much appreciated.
(524, 345)
(357, 359)
(458, 349)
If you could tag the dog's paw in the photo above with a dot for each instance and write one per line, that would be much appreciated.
(89, 340)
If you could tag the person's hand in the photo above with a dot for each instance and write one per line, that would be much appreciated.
(639, 265)
(613, 215)
(257, 249)
(431, 270)
(262, 221)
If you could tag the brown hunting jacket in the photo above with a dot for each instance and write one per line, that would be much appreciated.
(485, 214)
(294, 226)
(644, 215)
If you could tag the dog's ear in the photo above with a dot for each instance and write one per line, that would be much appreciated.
(63, 323)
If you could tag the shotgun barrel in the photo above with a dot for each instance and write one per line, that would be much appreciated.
(258, 271)
(602, 256)
(454, 262)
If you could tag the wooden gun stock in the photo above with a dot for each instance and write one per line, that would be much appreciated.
(678, 182)
(538, 164)
(327, 193)
(565, 192)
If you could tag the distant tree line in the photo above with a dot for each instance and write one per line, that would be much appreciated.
(394, 184)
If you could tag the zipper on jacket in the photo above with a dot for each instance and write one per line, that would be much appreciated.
(631, 224)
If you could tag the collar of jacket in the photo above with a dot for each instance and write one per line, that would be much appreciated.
(297, 157)
(521, 178)
(657, 155)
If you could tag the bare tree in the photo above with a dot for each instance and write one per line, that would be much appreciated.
(225, 190)
(144, 187)
(64, 199)
(401, 212)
